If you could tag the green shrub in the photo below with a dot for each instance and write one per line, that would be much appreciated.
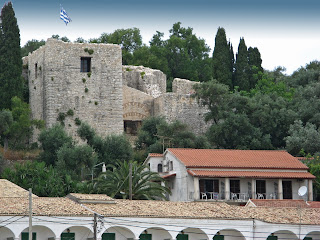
(142, 74)
(77, 121)
(61, 117)
(70, 112)
(90, 51)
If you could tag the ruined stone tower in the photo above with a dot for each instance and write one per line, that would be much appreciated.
(80, 82)
(69, 82)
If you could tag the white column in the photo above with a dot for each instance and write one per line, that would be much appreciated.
(196, 193)
(280, 191)
(310, 190)
(227, 186)
(253, 188)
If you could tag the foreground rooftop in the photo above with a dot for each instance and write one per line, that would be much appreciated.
(43, 206)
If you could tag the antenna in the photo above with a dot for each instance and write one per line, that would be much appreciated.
(302, 191)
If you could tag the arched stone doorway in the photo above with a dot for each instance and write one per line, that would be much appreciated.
(136, 107)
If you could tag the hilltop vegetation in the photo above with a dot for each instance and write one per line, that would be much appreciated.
(249, 108)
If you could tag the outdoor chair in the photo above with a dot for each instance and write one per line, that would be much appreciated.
(204, 196)
(234, 196)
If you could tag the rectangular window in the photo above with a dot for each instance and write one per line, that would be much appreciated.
(272, 238)
(170, 166)
(287, 189)
(25, 236)
(182, 237)
(67, 236)
(85, 64)
(208, 185)
(218, 237)
(235, 186)
(108, 236)
(36, 70)
(145, 236)
(261, 187)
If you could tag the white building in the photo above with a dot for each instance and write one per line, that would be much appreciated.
(231, 175)
(63, 218)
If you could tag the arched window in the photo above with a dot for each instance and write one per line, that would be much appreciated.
(159, 167)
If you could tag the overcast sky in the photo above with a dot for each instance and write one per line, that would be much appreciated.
(286, 32)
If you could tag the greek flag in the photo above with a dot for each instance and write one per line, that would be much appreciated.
(64, 16)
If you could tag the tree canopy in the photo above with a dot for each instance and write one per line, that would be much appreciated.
(222, 59)
(146, 185)
(11, 82)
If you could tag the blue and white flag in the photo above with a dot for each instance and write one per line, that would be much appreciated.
(64, 16)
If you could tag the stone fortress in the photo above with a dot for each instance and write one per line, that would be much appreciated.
(81, 82)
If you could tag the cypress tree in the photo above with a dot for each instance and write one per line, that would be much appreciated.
(231, 56)
(255, 61)
(242, 67)
(11, 83)
(221, 59)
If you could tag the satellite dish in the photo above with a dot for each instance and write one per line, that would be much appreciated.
(302, 191)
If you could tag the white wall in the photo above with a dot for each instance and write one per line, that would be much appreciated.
(154, 161)
(161, 228)
(181, 180)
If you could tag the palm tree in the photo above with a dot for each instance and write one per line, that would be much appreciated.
(146, 185)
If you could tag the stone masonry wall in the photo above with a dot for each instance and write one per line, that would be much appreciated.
(108, 95)
(36, 86)
(182, 107)
(61, 87)
(147, 80)
(183, 86)
(137, 105)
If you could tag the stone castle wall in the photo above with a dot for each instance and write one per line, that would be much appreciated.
(147, 80)
(111, 98)
(58, 86)
(184, 108)
(181, 105)
(137, 105)
(183, 86)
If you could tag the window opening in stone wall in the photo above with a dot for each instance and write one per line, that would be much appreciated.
(132, 127)
(160, 168)
(85, 64)
(36, 70)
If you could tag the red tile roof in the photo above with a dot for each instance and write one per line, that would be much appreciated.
(169, 175)
(225, 158)
(314, 204)
(280, 203)
(155, 155)
(250, 174)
